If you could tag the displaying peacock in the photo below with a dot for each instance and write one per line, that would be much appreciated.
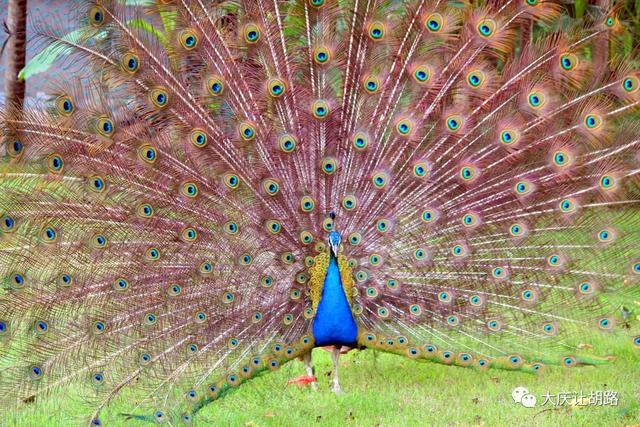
(454, 182)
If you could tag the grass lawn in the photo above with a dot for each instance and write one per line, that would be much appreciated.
(386, 390)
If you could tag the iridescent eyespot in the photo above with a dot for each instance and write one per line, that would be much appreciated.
(65, 280)
(349, 202)
(415, 309)
(630, 84)
(371, 84)
(420, 170)
(192, 348)
(98, 327)
(188, 39)
(568, 205)
(379, 180)
(528, 295)
(306, 237)
(266, 281)
(375, 260)
(40, 327)
(586, 288)
(64, 105)
(429, 216)
(273, 226)
(159, 97)
(494, 325)
(454, 123)
(189, 234)
(517, 229)
(635, 268)
(568, 61)
(215, 86)
(288, 319)
(475, 79)
(486, 28)
(470, 220)
(147, 154)
(536, 99)
(247, 131)
(509, 137)
(434, 22)
(231, 180)
(145, 210)
(97, 378)
(228, 297)
(276, 87)
(17, 281)
(636, 341)
(354, 238)
(453, 320)
(152, 254)
(302, 279)
(383, 312)
(49, 234)
(245, 259)
(321, 55)
(608, 182)
(610, 21)
(420, 254)
(307, 204)
(120, 284)
(459, 250)
(198, 138)
(549, 328)
(189, 189)
(256, 317)
(606, 235)
(562, 159)
(500, 273)
(555, 260)
(149, 319)
(523, 188)
(105, 126)
(55, 163)
(130, 62)
(422, 74)
(605, 323)
(316, 3)
(376, 31)
(320, 109)
(271, 186)
(231, 228)
(200, 317)
(476, 300)
(383, 225)
(205, 268)
(7, 224)
(36, 372)
(15, 147)
(287, 143)
(444, 297)
(174, 290)
(592, 121)
(468, 173)
(404, 127)
(532, 2)
(360, 141)
(252, 33)
(327, 224)
(97, 184)
(99, 241)
(329, 165)
(97, 16)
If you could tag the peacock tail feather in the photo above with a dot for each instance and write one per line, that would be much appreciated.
(164, 216)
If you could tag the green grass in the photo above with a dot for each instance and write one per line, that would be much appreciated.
(387, 390)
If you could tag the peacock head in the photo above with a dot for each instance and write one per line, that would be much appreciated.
(334, 242)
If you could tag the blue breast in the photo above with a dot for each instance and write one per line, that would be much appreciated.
(334, 324)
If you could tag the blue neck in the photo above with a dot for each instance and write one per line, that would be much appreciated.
(334, 323)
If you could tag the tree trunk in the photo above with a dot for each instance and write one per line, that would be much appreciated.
(15, 53)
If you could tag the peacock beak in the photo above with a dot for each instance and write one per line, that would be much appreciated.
(334, 249)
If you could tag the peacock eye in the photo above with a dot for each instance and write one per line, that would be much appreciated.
(64, 105)
(376, 31)
(434, 22)
(252, 33)
(215, 86)
(97, 16)
(198, 138)
(130, 62)
(188, 39)
(486, 28)
(320, 109)
(321, 55)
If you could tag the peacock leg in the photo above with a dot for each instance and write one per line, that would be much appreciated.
(335, 357)
(309, 367)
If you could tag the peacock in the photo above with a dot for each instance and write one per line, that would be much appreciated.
(213, 188)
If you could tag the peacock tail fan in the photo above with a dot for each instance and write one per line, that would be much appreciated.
(163, 212)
